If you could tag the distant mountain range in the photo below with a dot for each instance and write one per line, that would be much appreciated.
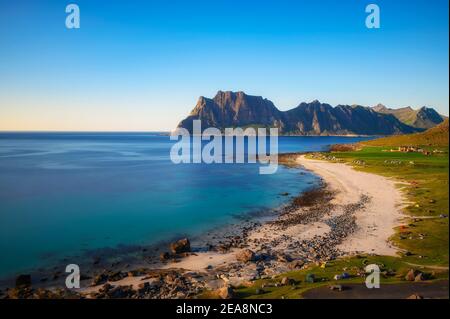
(237, 109)
(424, 117)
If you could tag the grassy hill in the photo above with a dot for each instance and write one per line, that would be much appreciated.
(436, 136)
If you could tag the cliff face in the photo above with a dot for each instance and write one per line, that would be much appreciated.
(230, 109)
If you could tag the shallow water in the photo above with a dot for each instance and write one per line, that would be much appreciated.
(65, 193)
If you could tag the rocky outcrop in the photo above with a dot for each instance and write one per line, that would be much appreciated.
(180, 246)
(245, 255)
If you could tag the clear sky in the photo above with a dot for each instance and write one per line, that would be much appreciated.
(141, 65)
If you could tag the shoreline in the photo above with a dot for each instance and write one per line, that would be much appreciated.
(346, 215)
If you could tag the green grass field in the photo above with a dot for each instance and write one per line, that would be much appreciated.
(424, 182)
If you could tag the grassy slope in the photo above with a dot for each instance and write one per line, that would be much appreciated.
(434, 137)
(426, 188)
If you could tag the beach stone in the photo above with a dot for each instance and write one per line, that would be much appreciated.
(283, 258)
(296, 264)
(226, 292)
(336, 287)
(410, 276)
(180, 246)
(23, 281)
(164, 256)
(419, 277)
(100, 279)
(286, 281)
(245, 255)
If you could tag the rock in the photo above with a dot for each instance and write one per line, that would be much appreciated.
(23, 281)
(164, 256)
(226, 292)
(283, 258)
(415, 296)
(180, 246)
(100, 279)
(245, 255)
(286, 281)
(296, 264)
(419, 277)
(310, 278)
(116, 276)
(410, 276)
(336, 288)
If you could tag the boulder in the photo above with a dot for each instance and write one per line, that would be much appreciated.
(419, 277)
(287, 281)
(100, 279)
(23, 281)
(296, 264)
(410, 276)
(226, 292)
(180, 246)
(336, 288)
(245, 255)
(164, 256)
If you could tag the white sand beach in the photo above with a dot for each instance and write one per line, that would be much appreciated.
(377, 221)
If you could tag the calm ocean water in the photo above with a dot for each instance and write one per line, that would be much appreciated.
(64, 193)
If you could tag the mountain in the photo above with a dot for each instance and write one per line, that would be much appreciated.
(435, 136)
(237, 109)
(229, 109)
(424, 117)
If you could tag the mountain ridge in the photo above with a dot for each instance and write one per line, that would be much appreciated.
(424, 117)
(237, 109)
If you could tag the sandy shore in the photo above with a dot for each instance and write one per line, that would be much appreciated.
(377, 221)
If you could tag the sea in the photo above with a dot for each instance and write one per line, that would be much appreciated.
(65, 194)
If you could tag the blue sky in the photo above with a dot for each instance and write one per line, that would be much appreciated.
(141, 65)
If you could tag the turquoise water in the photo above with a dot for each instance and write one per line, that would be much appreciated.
(62, 194)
